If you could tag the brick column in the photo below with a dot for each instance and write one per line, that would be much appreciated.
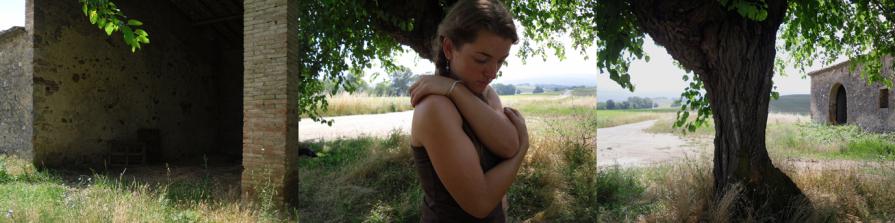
(270, 124)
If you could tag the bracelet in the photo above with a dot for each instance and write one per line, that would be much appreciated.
(451, 89)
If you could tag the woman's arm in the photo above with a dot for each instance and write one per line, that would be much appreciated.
(487, 120)
(438, 126)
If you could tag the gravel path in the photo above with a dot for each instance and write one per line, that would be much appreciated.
(350, 126)
(629, 145)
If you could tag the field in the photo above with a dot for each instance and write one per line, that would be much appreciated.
(845, 172)
(610, 118)
(361, 103)
(373, 179)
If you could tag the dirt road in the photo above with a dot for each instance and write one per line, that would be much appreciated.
(355, 125)
(630, 145)
(625, 145)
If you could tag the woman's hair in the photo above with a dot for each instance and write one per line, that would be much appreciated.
(463, 22)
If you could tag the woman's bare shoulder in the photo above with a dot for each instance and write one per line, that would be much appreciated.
(432, 113)
(434, 106)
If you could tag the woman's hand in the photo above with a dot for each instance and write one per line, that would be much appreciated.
(521, 129)
(429, 85)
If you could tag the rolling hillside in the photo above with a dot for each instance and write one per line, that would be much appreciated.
(794, 103)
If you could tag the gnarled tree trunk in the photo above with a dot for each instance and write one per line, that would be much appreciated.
(733, 57)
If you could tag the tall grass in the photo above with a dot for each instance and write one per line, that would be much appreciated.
(29, 195)
(851, 183)
(682, 192)
(374, 180)
(363, 103)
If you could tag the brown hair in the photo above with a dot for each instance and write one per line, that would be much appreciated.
(463, 22)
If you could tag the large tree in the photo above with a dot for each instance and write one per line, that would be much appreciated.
(728, 45)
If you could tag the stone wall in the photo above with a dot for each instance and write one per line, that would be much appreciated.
(863, 100)
(89, 89)
(15, 94)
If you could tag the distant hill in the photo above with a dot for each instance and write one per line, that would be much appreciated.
(576, 90)
(794, 103)
(663, 102)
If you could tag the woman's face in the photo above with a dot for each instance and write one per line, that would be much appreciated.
(477, 63)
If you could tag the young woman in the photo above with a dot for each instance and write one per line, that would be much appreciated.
(467, 147)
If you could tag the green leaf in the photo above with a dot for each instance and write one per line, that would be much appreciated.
(110, 27)
(93, 17)
(134, 22)
(129, 36)
(84, 8)
(143, 39)
(140, 32)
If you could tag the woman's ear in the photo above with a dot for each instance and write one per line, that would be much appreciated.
(448, 47)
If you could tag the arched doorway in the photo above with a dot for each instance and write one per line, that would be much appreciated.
(838, 105)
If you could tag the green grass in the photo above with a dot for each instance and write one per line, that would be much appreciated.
(800, 139)
(29, 195)
(362, 179)
(830, 142)
(619, 193)
(610, 118)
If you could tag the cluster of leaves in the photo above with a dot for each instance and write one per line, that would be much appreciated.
(619, 40)
(107, 17)
(692, 99)
(862, 30)
(337, 41)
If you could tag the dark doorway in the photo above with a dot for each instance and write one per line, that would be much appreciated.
(838, 105)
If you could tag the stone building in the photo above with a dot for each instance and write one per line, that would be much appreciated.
(219, 78)
(842, 97)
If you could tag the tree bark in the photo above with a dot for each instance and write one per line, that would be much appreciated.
(733, 57)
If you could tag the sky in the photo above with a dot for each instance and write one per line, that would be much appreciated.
(12, 13)
(657, 78)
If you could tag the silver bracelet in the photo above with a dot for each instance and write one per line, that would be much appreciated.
(452, 88)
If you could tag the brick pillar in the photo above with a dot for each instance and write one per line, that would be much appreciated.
(270, 124)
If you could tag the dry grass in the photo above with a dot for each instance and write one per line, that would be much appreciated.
(847, 185)
(681, 192)
(362, 103)
(374, 180)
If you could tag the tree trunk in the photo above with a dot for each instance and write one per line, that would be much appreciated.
(733, 56)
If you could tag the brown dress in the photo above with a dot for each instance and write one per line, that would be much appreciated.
(438, 205)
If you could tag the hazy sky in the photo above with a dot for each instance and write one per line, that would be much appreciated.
(659, 77)
(12, 13)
